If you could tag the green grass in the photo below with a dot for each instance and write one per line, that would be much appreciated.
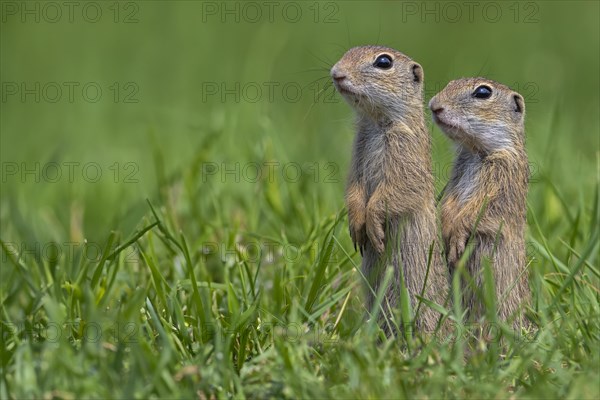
(182, 283)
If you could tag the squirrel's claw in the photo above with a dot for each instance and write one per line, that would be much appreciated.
(359, 237)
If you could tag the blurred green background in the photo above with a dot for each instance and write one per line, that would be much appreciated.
(178, 102)
(158, 63)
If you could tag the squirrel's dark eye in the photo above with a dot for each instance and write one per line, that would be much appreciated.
(482, 92)
(383, 61)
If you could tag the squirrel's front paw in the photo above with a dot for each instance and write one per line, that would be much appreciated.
(376, 234)
(456, 248)
(358, 233)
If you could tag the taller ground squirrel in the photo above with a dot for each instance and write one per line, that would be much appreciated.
(390, 192)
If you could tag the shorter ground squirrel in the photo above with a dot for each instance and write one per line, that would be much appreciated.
(485, 199)
(390, 193)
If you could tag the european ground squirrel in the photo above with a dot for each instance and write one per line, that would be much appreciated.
(485, 199)
(390, 193)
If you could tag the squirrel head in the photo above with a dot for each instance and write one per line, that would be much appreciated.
(379, 82)
(480, 114)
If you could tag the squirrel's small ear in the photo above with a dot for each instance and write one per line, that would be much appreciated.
(519, 103)
(417, 72)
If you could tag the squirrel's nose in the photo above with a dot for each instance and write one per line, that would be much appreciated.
(437, 110)
(337, 75)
